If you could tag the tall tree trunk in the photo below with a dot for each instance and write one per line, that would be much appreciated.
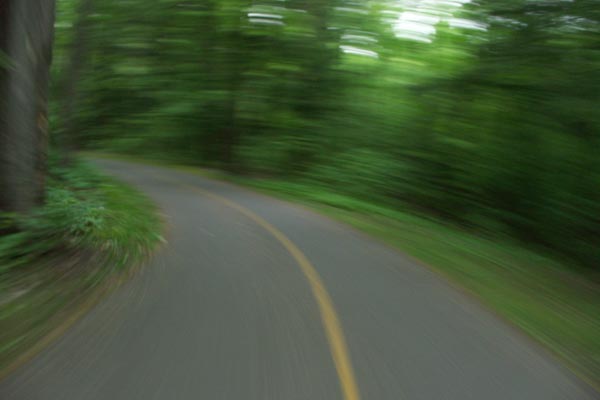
(70, 78)
(230, 134)
(26, 35)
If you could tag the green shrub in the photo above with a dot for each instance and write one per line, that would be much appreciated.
(84, 210)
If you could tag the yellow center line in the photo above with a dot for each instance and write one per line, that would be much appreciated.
(329, 318)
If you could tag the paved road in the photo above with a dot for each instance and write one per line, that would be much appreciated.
(226, 311)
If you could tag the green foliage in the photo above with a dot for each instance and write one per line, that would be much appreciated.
(483, 114)
(84, 211)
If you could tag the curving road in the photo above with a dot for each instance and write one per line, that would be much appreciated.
(257, 299)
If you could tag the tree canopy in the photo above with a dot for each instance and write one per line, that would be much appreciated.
(483, 113)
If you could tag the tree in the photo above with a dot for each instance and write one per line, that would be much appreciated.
(26, 35)
(480, 114)
(71, 77)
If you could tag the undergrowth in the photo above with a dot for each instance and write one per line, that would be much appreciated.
(84, 211)
(90, 229)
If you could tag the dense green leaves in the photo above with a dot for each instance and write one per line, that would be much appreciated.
(484, 114)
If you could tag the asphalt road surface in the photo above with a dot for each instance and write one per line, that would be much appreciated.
(255, 298)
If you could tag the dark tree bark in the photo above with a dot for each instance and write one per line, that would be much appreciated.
(230, 134)
(26, 35)
(68, 87)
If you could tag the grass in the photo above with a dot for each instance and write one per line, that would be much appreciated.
(86, 236)
(555, 303)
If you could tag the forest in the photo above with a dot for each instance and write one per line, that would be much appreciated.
(483, 114)
(465, 133)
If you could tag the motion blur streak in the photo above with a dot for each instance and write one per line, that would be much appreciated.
(480, 114)
(462, 133)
